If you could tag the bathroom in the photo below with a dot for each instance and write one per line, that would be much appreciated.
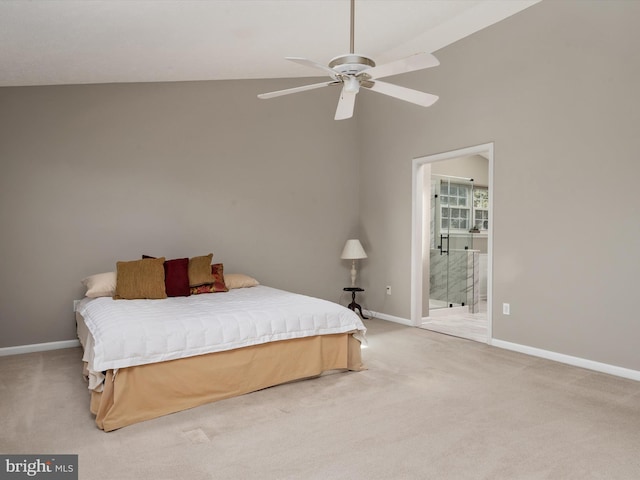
(456, 204)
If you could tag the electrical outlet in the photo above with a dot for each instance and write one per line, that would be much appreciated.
(506, 309)
(388, 289)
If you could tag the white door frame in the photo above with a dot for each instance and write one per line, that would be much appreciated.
(417, 181)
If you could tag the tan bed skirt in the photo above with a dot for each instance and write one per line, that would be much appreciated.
(143, 392)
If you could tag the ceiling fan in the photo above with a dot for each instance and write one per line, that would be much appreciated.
(353, 71)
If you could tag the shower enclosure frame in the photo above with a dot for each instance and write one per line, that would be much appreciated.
(461, 238)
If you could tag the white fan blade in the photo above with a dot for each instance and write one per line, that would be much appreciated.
(404, 65)
(295, 90)
(346, 105)
(312, 64)
(403, 93)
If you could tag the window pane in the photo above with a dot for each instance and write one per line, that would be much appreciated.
(444, 189)
(464, 214)
(455, 223)
(462, 201)
(481, 198)
(444, 212)
(445, 223)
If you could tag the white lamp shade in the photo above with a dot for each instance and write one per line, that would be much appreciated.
(353, 250)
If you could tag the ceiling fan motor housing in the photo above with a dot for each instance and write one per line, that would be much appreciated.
(351, 64)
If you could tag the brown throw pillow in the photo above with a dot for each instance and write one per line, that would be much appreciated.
(218, 285)
(140, 279)
(200, 270)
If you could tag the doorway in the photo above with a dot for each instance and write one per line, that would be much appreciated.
(452, 242)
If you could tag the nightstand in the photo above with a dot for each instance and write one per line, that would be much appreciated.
(353, 305)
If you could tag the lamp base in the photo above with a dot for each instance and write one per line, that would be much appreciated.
(353, 273)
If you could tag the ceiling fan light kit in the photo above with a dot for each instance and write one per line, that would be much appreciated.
(353, 71)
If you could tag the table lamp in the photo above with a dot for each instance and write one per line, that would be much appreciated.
(353, 251)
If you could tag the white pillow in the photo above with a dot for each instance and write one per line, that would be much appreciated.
(239, 280)
(100, 285)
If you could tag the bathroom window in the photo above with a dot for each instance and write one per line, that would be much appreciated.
(459, 211)
(481, 208)
(455, 206)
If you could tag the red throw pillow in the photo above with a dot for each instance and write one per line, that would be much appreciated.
(176, 277)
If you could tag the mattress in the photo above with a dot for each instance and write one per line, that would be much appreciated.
(124, 333)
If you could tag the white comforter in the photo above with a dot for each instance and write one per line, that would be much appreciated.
(125, 333)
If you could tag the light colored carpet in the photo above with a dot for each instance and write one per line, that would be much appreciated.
(429, 407)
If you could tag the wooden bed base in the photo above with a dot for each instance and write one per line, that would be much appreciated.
(139, 393)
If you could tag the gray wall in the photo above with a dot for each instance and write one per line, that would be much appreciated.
(99, 173)
(95, 174)
(556, 88)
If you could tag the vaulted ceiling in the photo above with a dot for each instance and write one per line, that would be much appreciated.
(45, 42)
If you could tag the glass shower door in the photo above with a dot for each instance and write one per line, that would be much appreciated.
(452, 213)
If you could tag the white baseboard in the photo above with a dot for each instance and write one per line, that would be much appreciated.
(391, 318)
(38, 347)
(536, 352)
(568, 359)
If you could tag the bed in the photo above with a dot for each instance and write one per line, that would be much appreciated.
(147, 358)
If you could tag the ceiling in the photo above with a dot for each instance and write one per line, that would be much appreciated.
(49, 42)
